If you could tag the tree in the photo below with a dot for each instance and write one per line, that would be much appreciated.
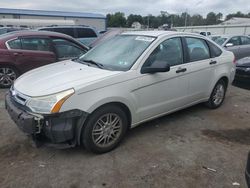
(238, 14)
(116, 20)
(197, 19)
(211, 18)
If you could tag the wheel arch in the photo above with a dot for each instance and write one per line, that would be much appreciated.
(2, 64)
(120, 104)
(225, 79)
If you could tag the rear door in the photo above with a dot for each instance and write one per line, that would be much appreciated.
(198, 67)
(33, 52)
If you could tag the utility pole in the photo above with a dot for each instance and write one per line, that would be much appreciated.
(186, 19)
(148, 21)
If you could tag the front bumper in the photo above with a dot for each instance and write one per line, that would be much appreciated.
(59, 128)
(242, 75)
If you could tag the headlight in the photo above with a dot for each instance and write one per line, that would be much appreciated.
(49, 104)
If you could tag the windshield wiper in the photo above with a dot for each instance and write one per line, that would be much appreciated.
(101, 66)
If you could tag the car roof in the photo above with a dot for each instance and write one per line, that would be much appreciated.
(162, 33)
(26, 33)
(32, 33)
(66, 26)
(227, 36)
(149, 33)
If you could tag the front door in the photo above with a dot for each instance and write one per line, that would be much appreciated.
(236, 46)
(160, 93)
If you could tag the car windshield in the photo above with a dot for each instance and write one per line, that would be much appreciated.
(220, 40)
(118, 53)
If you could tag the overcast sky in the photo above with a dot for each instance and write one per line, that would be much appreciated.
(142, 7)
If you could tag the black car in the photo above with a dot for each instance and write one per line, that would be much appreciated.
(247, 172)
(243, 70)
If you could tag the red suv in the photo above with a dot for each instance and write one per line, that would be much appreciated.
(26, 50)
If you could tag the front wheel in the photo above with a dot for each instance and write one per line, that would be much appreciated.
(218, 95)
(104, 129)
(7, 76)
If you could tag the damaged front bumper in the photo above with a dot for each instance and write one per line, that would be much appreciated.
(60, 129)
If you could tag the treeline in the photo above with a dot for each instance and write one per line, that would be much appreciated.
(118, 19)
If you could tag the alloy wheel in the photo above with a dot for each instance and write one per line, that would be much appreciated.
(107, 130)
(218, 94)
(7, 76)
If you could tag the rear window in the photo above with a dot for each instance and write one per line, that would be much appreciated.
(197, 49)
(85, 33)
(67, 31)
(47, 29)
(215, 51)
(15, 44)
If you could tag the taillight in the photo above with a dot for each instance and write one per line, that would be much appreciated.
(234, 61)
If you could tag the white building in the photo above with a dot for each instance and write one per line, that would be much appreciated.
(136, 25)
(236, 20)
(15, 16)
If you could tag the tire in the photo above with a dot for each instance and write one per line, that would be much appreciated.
(105, 128)
(8, 75)
(217, 96)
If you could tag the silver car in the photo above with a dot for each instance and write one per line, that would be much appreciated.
(238, 44)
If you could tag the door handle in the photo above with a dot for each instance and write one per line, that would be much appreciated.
(17, 53)
(181, 70)
(212, 62)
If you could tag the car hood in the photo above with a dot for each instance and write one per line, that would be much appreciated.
(58, 77)
(244, 62)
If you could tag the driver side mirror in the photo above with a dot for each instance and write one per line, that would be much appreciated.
(156, 67)
(229, 45)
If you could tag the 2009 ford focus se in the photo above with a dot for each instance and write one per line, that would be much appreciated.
(129, 79)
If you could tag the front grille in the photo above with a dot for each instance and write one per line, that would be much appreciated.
(18, 97)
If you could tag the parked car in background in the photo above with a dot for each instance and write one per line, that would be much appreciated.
(204, 33)
(247, 171)
(122, 82)
(214, 37)
(239, 45)
(243, 70)
(4, 30)
(26, 50)
(84, 34)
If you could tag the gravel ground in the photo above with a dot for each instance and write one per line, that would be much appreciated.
(172, 151)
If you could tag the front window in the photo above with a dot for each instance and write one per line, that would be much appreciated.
(235, 41)
(66, 49)
(168, 52)
(36, 44)
(120, 52)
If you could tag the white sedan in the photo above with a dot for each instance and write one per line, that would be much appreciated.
(127, 80)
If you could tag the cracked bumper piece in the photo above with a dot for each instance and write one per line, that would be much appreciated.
(57, 128)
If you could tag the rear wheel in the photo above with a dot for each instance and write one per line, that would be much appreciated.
(7, 76)
(218, 95)
(105, 129)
